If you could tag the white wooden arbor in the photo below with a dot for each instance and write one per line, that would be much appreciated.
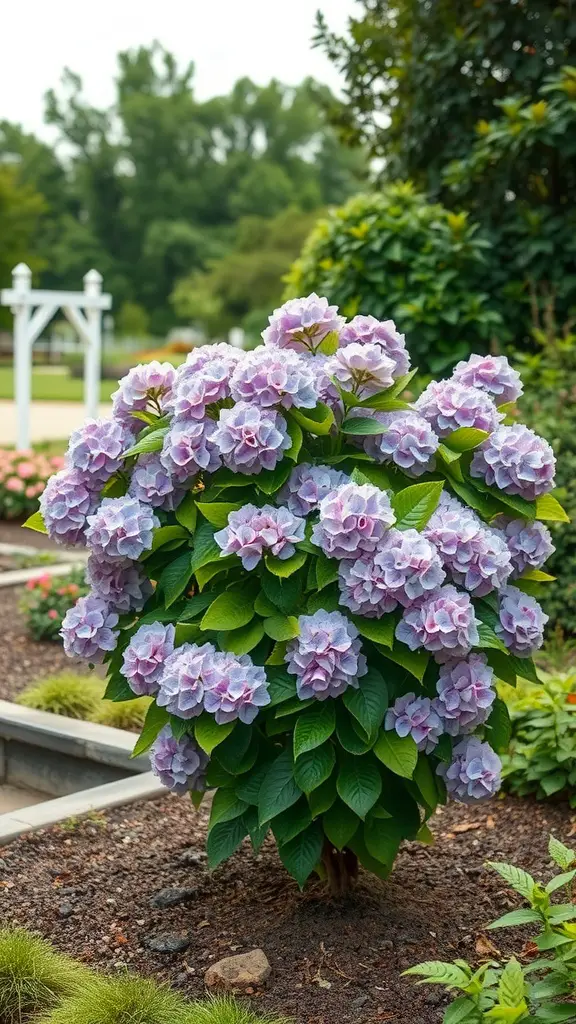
(33, 309)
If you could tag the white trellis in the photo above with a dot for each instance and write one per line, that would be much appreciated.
(33, 309)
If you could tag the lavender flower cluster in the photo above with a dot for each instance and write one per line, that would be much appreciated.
(237, 411)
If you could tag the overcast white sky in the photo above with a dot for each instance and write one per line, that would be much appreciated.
(225, 38)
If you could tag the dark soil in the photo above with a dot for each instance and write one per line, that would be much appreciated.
(23, 660)
(88, 888)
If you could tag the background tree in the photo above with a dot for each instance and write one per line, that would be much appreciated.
(21, 209)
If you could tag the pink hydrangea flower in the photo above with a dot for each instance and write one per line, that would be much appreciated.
(302, 324)
(88, 629)
(529, 544)
(521, 622)
(194, 392)
(306, 487)
(153, 484)
(465, 694)
(251, 439)
(492, 374)
(403, 569)
(144, 385)
(448, 405)
(269, 377)
(235, 688)
(326, 657)
(66, 503)
(179, 764)
(408, 442)
(190, 446)
(352, 519)
(516, 461)
(252, 531)
(444, 624)
(475, 556)
(475, 772)
(121, 528)
(183, 680)
(122, 584)
(367, 330)
(416, 717)
(362, 369)
(145, 655)
(96, 449)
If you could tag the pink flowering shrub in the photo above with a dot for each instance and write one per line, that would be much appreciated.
(23, 477)
(47, 600)
(314, 580)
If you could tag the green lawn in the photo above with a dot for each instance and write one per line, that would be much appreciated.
(54, 387)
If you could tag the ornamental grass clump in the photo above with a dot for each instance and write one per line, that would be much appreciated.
(314, 580)
(33, 976)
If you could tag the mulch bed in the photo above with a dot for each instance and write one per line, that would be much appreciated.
(89, 889)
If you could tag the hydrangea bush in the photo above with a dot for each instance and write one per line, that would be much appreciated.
(316, 581)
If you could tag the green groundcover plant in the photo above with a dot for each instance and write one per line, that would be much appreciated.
(46, 600)
(542, 754)
(33, 976)
(314, 580)
(544, 989)
(80, 696)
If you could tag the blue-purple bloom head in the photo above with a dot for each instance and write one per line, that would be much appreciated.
(147, 386)
(145, 655)
(302, 324)
(267, 377)
(529, 543)
(516, 461)
(65, 504)
(189, 447)
(408, 442)
(367, 330)
(492, 374)
(183, 680)
(475, 772)
(195, 391)
(444, 624)
(122, 584)
(475, 556)
(326, 657)
(416, 717)
(88, 629)
(521, 622)
(121, 528)
(152, 484)
(361, 369)
(179, 764)
(352, 519)
(235, 688)
(96, 449)
(252, 531)
(465, 694)
(251, 439)
(403, 569)
(306, 487)
(448, 405)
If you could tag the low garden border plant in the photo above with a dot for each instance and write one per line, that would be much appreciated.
(544, 989)
(80, 696)
(33, 976)
(47, 599)
(23, 477)
(314, 579)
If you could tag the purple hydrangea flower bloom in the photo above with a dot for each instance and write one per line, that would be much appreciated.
(326, 657)
(517, 461)
(408, 442)
(251, 531)
(189, 446)
(121, 528)
(492, 374)
(352, 519)
(235, 688)
(367, 330)
(362, 369)
(465, 694)
(194, 391)
(475, 772)
(415, 716)
(179, 764)
(152, 484)
(96, 449)
(475, 556)
(88, 628)
(522, 621)
(448, 405)
(147, 382)
(529, 544)
(183, 680)
(145, 655)
(267, 377)
(65, 504)
(325, 388)
(402, 570)
(199, 357)
(302, 324)
(306, 487)
(443, 623)
(122, 584)
(251, 439)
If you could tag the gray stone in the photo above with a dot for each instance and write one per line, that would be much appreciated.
(168, 943)
(237, 973)
(192, 858)
(3, 865)
(360, 1000)
(171, 897)
(387, 944)
(65, 910)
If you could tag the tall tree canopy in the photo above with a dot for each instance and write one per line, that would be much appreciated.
(153, 188)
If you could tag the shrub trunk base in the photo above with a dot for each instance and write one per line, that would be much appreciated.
(341, 867)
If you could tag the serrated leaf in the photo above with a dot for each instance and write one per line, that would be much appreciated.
(382, 838)
(381, 631)
(165, 535)
(548, 508)
(290, 823)
(439, 973)
(560, 880)
(271, 480)
(502, 666)
(244, 639)
(339, 824)
(350, 734)
(302, 854)
(359, 784)
(398, 753)
(296, 436)
(515, 877)
(285, 594)
(312, 768)
(225, 807)
(279, 789)
(195, 606)
(205, 547)
(117, 689)
(209, 734)
(314, 726)
(499, 726)
(562, 855)
(217, 512)
(487, 639)
(224, 839)
(238, 752)
(318, 421)
(281, 686)
(511, 986)
(175, 578)
(414, 505)
(465, 439)
(415, 662)
(153, 442)
(187, 514)
(517, 917)
(285, 567)
(156, 719)
(326, 570)
(229, 610)
(369, 701)
(383, 397)
(36, 522)
(248, 786)
(363, 425)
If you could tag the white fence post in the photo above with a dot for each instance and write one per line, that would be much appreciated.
(22, 308)
(93, 357)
